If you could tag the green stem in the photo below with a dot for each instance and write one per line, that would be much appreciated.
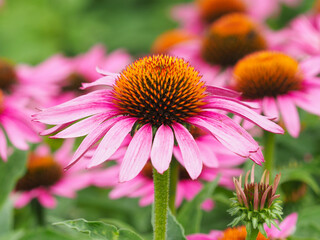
(38, 212)
(269, 148)
(252, 234)
(161, 203)
(174, 177)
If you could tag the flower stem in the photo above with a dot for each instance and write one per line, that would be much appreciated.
(269, 148)
(174, 177)
(161, 203)
(252, 235)
(38, 212)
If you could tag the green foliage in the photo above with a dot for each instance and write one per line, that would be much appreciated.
(98, 230)
(10, 172)
(190, 214)
(6, 218)
(175, 230)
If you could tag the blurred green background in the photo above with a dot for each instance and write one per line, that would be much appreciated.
(32, 30)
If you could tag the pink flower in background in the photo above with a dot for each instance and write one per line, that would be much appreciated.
(213, 153)
(194, 17)
(279, 84)
(287, 226)
(15, 123)
(45, 177)
(308, 42)
(59, 78)
(226, 41)
(161, 94)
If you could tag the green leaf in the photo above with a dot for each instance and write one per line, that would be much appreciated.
(97, 230)
(190, 214)
(299, 174)
(6, 218)
(175, 230)
(10, 172)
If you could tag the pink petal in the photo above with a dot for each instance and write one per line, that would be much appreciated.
(224, 134)
(46, 199)
(162, 147)
(247, 113)
(222, 91)
(3, 146)
(23, 199)
(270, 108)
(112, 141)
(83, 127)
(288, 225)
(54, 129)
(137, 154)
(189, 150)
(91, 139)
(14, 134)
(289, 114)
(104, 81)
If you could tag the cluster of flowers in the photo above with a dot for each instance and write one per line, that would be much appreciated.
(166, 108)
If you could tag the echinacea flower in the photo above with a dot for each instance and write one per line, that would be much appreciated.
(169, 39)
(58, 78)
(45, 177)
(155, 99)
(287, 226)
(256, 203)
(308, 42)
(213, 153)
(278, 83)
(194, 17)
(226, 41)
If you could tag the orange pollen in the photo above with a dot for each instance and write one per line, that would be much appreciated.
(231, 38)
(7, 75)
(267, 73)
(41, 171)
(73, 82)
(165, 41)
(211, 10)
(238, 233)
(159, 90)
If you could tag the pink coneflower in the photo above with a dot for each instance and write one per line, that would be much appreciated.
(59, 78)
(45, 177)
(155, 99)
(226, 41)
(194, 17)
(308, 42)
(15, 123)
(213, 153)
(287, 226)
(278, 83)
(83, 66)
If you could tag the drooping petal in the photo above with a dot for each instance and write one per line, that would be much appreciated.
(83, 127)
(104, 81)
(270, 108)
(137, 153)
(46, 199)
(91, 139)
(112, 141)
(189, 150)
(245, 112)
(289, 114)
(224, 134)
(162, 147)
